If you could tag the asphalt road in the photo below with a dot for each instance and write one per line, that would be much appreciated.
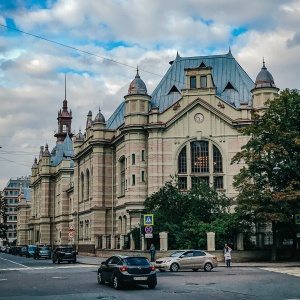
(24, 278)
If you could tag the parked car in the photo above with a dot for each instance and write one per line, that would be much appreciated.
(187, 259)
(23, 251)
(64, 253)
(42, 252)
(15, 250)
(127, 270)
(30, 250)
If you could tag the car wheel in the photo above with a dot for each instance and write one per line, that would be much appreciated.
(69, 261)
(100, 279)
(174, 267)
(195, 270)
(116, 283)
(151, 286)
(208, 267)
(161, 270)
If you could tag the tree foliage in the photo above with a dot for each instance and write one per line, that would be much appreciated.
(269, 183)
(188, 216)
(3, 227)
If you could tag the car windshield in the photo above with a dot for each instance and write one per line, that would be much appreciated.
(24, 248)
(136, 261)
(44, 248)
(177, 253)
(31, 248)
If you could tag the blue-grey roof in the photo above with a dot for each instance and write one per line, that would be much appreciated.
(62, 151)
(225, 72)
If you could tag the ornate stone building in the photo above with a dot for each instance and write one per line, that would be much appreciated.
(188, 127)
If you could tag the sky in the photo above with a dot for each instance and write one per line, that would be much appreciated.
(98, 44)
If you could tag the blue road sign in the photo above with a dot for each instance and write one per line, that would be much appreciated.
(149, 219)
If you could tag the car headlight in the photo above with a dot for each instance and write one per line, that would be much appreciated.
(167, 260)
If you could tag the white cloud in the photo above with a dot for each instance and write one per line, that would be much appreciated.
(134, 33)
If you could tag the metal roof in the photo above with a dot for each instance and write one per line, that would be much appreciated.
(64, 150)
(225, 69)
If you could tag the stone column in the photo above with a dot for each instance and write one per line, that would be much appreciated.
(163, 238)
(143, 243)
(122, 241)
(239, 241)
(211, 241)
(104, 241)
(112, 242)
(132, 243)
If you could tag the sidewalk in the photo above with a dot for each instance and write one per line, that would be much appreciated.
(92, 260)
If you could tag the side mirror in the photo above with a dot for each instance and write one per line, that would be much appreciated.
(103, 263)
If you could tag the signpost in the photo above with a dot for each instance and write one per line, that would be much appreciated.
(149, 219)
(71, 234)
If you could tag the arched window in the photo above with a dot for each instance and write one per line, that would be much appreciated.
(120, 225)
(122, 176)
(205, 164)
(82, 187)
(88, 184)
(124, 225)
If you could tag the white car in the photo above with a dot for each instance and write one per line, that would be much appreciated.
(187, 259)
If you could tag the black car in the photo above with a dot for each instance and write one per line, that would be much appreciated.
(16, 250)
(127, 270)
(42, 252)
(64, 254)
(23, 251)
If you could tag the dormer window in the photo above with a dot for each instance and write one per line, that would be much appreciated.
(203, 82)
(64, 128)
(193, 82)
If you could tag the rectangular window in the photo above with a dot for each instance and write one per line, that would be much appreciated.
(182, 182)
(193, 82)
(200, 157)
(133, 159)
(133, 179)
(143, 155)
(218, 182)
(143, 176)
(196, 180)
(203, 83)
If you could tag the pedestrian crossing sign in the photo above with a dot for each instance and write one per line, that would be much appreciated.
(149, 219)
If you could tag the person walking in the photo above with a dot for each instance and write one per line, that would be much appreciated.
(152, 253)
(227, 255)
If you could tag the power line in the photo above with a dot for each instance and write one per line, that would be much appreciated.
(14, 162)
(76, 49)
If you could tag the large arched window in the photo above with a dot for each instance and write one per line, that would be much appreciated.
(200, 161)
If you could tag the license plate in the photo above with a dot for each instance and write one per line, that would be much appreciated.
(140, 278)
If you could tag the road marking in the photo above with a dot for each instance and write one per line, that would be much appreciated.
(3, 279)
(289, 271)
(48, 268)
(13, 262)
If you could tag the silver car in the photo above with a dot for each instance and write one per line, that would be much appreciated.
(187, 259)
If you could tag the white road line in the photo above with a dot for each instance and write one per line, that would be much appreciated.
(289, 271)
(47, 268)
(3, 279)
(14, 262)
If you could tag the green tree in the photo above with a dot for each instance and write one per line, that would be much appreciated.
(3, 227)
(183, 214)
(269, 183)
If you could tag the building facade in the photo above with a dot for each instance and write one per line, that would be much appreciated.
(11, 194)
(188, 127)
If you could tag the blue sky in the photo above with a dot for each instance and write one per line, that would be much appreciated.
(128, 33)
